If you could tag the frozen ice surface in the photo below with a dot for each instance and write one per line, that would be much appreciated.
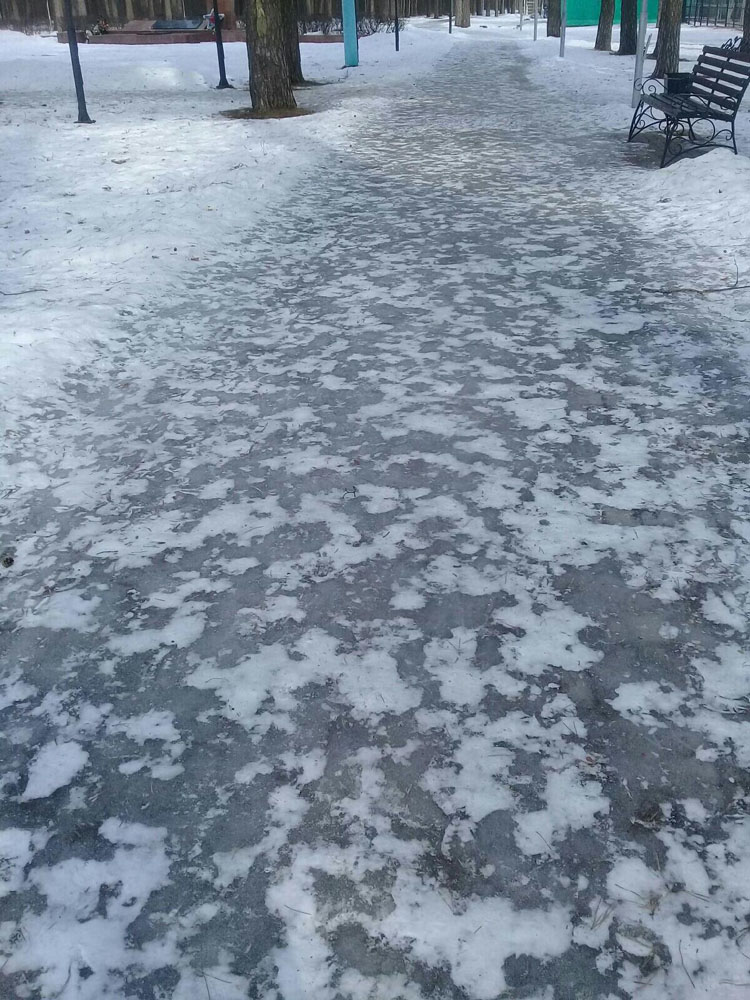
(375, 626)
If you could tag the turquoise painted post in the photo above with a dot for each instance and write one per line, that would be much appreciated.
(349, 22)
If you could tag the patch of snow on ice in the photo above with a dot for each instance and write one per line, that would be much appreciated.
(53, 767)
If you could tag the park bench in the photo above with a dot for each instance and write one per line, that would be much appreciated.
(704, 114)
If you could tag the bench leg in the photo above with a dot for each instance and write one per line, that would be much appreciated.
(734, 140)
(668, 136)
(636, 120)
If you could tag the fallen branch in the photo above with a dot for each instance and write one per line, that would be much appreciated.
(699, 291)
(679, 946)
(26, 291)
(695, 291)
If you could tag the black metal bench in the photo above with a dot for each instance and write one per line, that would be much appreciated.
(702, 116)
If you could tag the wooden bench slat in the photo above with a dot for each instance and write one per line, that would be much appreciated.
(713, 102)
(713, 50)
(711, 66)
(682, 108)
(710, 83)
(717, 66)
(729, 85)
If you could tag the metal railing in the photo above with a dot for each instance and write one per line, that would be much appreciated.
(726, 13)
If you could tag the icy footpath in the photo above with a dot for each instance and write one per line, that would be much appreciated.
(377, 618)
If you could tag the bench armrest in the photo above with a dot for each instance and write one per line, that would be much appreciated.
(650, 86)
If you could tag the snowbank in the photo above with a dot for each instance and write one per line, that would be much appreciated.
(707, 198)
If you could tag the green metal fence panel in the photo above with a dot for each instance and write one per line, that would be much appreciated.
(583, 12)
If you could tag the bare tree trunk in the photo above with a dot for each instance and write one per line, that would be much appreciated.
(270, 82)
(463, 17)
(628, 28)
(655, 53)
(553, 19)
(604, 32)
(291, 35)
(746, 28)
(668, 41)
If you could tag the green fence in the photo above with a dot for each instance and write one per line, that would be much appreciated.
(582, 12)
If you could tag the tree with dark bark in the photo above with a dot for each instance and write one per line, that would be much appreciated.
(291, 33)
(668, 40)
(462, 14)
(746, 28)
(603, 41)
(83, 115)
(267, 52)
(628, 28)
(655, 53)
(553, 19)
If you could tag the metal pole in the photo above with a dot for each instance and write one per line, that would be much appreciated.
(450, 18)
(349, 24)
(395, 8)
(223, 83)
(563, 25)
(83, 115)
(536, 17)
(640, 53)
(520, 15)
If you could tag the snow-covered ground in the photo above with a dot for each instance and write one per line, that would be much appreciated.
(707, 199)
(375, 549)
(157, 190)
(157, 186)
(100, 205)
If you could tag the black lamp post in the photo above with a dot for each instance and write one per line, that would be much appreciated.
(83, 115)
(223, 84)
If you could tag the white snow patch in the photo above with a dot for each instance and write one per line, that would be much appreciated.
(153, 725)
(181, 631)
(53, 767)
(572, 804)
(451, 662)
(13, 689)
(648, 701)
(53, 945)
(62, 610)
(17, 848)
(369, 679)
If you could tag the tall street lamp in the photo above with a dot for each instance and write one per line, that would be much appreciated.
(83, 115)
